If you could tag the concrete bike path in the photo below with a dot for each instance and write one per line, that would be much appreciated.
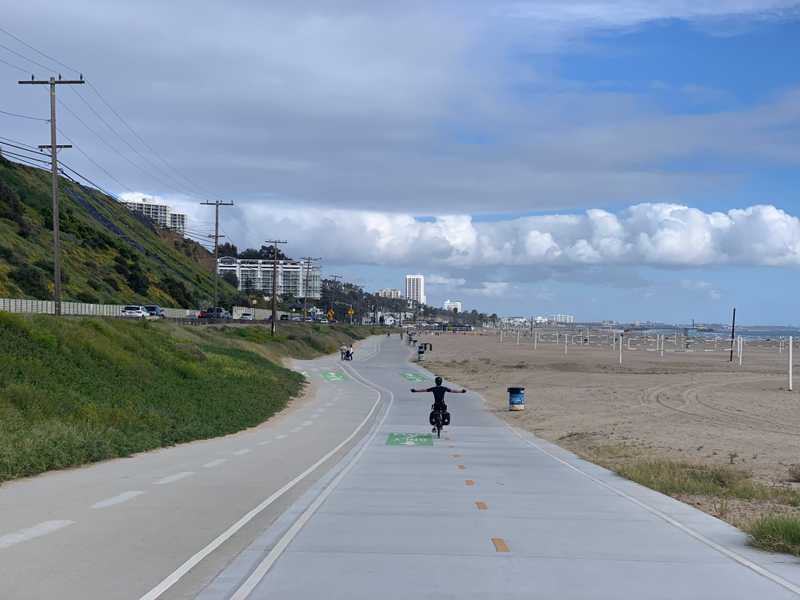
(489, 512)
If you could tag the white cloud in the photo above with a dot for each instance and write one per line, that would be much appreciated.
(657, 235)
(702, 287)
(490, 289)
(434, 279)
(626, 13)
(377, 105)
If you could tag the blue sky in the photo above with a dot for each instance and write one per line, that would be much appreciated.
(626, 160)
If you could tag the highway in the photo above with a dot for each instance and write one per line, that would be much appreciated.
(344, 497)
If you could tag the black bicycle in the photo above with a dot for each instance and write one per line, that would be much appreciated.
(437, 420)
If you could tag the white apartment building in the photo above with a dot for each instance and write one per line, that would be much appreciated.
(415, 288)
(454, 305)
(294, 278)
(389, 293)
(160, 213)
(563, 319)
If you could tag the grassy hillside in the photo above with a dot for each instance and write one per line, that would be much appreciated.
(109, 254)
(74, 391)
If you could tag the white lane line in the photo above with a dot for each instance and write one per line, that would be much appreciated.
(295, 430)
(173, 478)
(266, 564)
(23, 535)
(307, 423)
(735, 556)
(118, 499)
(282, 436)
(265, 442)
(215, 463)
(187, 566)
(242, 452)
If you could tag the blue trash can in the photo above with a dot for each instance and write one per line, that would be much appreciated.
(516, 398)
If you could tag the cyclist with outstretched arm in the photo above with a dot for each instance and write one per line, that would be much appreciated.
(438, 398)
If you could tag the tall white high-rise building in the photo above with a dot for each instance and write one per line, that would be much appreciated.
(415, 288)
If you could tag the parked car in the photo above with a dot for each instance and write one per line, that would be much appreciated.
(214, 313)
(284, 317)
(246, 316)
(134, 311)
(155, 311)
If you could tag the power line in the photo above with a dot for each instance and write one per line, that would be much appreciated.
(111, 147)
(194, 190)
(138, 137)
(38, 160)
(12, 140)
(47, 56)
(95, 163)
(23, 57)
(24, 147)
(17, 67)
(127, 143)
(13, 114)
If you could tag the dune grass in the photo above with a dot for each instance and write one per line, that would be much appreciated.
(776, 533)
(74, 391)
(676, 478)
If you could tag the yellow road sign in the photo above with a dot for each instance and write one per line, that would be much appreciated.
(350, 312)
(330, 314)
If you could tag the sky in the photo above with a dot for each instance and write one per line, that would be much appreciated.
(628, 160)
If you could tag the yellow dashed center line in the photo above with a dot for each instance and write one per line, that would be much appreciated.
(500, 545)
(481, 505)
(469, 482)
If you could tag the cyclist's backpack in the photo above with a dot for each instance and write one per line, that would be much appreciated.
(430, 419)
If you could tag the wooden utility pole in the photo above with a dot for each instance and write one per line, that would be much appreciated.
(733, 332)
(53, 82)
(274, 244)
(216, 204)
(309, 262)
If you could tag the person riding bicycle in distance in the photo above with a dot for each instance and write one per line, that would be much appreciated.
(438, 397)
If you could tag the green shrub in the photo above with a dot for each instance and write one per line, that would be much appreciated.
(31, 280)
(776, 533)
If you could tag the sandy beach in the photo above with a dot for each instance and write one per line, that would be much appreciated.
(689, 406)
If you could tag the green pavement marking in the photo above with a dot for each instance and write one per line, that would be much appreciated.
(332, 376)
(409, 439)
(413, 377)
